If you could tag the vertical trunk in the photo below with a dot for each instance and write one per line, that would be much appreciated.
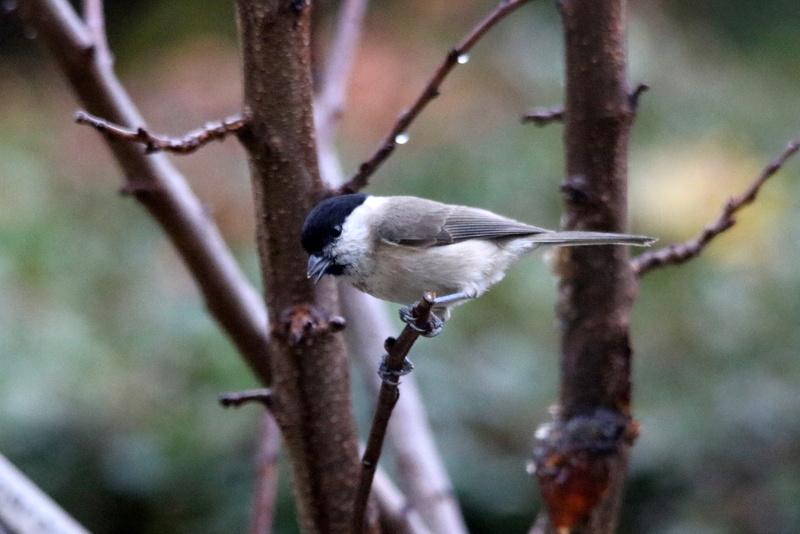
(582, 462)
(309, 366)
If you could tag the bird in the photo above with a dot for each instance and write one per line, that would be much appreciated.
(396, 248)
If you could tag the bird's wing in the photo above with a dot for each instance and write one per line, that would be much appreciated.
(439, 224)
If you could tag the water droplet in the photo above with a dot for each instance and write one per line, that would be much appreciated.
(401, 139)
(463, 58)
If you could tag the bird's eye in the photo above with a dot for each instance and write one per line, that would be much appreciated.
(336, 231)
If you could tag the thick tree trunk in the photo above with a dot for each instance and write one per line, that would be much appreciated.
(583, 458)
(311, 397)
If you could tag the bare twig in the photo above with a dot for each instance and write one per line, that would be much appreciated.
(395, 360)
(212, 131)
(431, 91)
(262, 395)
(331, 101)
(634, 95)
(544, 116)
(228, 294)
(681, 252)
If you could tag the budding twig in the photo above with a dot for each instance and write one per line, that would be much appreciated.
(213, 131)
(682, 252)
(431, 91)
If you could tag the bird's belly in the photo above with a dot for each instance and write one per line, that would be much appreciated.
(406, 273)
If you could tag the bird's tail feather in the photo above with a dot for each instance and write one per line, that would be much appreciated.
(573, 238)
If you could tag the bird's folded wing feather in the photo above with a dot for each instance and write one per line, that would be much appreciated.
(439, 224)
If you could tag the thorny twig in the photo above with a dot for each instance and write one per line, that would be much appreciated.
(431, 91)
(213, 131)
(681, 252)
(396, 351)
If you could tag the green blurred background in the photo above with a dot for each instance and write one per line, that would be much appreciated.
(110, 368)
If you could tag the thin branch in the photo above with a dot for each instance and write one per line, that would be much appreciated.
(682, 252)
(431, 91)
(331, 101)
(544, 116)
(160, 188)
(394, 362)
(212, 131)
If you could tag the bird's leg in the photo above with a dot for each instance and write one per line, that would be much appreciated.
(431, 329)
(435, 325)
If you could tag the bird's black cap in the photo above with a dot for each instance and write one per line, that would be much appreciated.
(324, 223)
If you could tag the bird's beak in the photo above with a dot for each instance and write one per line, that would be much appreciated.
(317, 265)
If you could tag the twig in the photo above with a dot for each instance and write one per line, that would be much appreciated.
(212, 131)
(396, 351)
(682, 252)
(544, 116)
(423, 476)
(633, 96)
(262, 395)
(331, 101)
(431, 91)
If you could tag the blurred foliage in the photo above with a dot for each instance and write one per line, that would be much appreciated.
(109, 367)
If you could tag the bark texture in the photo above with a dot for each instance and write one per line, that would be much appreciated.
(582, 461)
(309, 364)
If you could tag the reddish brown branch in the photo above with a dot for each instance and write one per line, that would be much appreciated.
(394, 363)
(544, 116)
(682, 252)
(212, 131)
(431, 91)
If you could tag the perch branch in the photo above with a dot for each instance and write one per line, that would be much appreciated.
(212, 131)
(431, 91)
(682, 252)
(261, 395)
(396, 351)
(157, 185)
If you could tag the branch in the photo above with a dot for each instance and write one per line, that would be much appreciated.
(395, 363)
(431, 91)
(93, 14)
(682, 252)
(423, 476)
(265, 493)
(544, 116)
(25, 508)
(235, 400)
(157, 185)
(331, 101)
(212, 131)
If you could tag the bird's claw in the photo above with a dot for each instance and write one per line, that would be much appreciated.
(433, 327)
(393, 377)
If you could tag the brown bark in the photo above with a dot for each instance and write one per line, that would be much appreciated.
(582, 461)
(311, 398)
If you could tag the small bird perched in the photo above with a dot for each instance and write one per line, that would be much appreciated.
(397, 248)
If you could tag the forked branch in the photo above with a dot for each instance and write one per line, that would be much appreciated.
(682, 252)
